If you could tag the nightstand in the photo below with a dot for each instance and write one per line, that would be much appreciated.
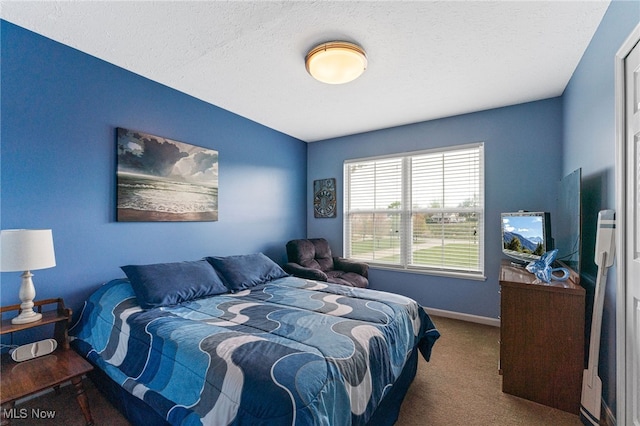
(21, 379)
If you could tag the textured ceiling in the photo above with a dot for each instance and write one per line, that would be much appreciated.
(427, 59)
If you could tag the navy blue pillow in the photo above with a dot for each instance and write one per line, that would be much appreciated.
(247, 270)
(165, 284)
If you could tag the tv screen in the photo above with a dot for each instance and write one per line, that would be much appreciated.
(526, 235)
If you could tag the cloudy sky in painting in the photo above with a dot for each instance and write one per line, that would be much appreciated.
(150, 155)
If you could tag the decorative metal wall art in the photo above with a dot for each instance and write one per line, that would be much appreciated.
(324, 198)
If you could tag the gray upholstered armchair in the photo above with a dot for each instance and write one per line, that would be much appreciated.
(312, 259)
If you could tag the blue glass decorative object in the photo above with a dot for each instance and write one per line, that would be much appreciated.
(542, 268)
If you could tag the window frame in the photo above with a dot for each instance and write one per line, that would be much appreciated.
(407, 212)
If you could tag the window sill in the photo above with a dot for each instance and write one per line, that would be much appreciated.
(435, 272)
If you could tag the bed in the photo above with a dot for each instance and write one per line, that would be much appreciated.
(235, 340)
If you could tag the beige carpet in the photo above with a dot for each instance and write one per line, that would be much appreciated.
(460, 386)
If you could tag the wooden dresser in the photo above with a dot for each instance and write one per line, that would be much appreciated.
(542, 338)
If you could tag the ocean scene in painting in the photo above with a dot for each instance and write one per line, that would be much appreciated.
(164, 180)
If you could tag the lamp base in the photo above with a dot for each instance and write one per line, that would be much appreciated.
(26, 317)
(27, 294)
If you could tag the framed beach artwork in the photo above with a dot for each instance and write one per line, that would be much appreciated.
(162, 180)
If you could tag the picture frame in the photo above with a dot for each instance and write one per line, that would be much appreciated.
(163, 180)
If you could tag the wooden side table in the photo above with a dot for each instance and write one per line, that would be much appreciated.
(21, 379)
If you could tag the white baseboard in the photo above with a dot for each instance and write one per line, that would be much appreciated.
(495, 322)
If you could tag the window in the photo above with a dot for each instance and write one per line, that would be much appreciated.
(422, 211)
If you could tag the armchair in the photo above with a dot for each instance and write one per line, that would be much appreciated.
(312, 259)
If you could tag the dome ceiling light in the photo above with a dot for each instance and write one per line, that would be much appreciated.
(336, 62)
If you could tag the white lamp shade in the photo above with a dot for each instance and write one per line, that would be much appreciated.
(26, 250)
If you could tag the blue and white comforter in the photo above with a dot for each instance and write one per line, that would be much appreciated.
(290, 352)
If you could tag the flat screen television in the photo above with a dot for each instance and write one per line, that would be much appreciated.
(526, 236)
(567, 220)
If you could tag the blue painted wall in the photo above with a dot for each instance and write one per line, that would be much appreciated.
(522, 169)
(589, 143)
(59, 111)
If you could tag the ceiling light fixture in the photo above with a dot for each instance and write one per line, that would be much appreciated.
(336, 62)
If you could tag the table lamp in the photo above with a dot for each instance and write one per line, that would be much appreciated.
(26, 250)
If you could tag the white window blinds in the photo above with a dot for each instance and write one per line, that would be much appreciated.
(422, 210)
